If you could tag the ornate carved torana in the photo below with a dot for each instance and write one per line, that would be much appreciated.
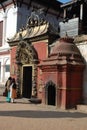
(26, 55)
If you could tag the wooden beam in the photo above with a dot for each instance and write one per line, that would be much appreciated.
(29, 4)
(14, 3)
(3, 6)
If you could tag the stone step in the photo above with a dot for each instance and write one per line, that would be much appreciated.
(82, 108)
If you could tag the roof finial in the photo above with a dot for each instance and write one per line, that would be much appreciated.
(35, 18)
(66, 35)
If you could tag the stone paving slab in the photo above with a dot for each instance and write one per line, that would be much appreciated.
(23, 115)
(82, 108)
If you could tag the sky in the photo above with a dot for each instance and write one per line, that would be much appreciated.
(64, 1)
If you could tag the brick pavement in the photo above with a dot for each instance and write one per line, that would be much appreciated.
(25, 116)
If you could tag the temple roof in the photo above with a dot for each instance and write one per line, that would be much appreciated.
(65, 46)
(36, 29)
(72, 2)
(34, 33)
(54, 4)
(64, 52)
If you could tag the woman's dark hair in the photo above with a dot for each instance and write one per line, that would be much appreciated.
(14, 85)
(13, 79)
(10, 78)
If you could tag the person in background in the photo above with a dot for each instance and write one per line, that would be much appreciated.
(7, 85)
(5, 93)
(13, 94)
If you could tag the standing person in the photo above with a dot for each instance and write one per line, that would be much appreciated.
(13, 90)
(8, 83)
(5, 93)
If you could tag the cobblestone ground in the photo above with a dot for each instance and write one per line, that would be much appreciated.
(22, 115)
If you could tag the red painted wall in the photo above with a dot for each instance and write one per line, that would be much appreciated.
(75, 83)
(42, 51)
(68, 80)
(49, 76)
(13, 67)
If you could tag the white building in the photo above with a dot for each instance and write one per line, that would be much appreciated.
(11, 20)
(81, 42)
(13, 16)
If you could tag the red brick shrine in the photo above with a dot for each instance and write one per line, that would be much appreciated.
(62, 74)
(46, 67)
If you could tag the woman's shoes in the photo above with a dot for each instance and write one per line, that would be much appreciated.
(12, 100)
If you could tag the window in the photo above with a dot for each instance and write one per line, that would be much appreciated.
(1, 32)
(7, 68)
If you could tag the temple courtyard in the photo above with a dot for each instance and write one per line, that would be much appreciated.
(22, 115)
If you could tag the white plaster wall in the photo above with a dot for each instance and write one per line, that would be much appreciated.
(6, 61)
(9, 18)
(11, 22)
(1, 68)
(83, 49)
(4, 75)
(2, 19)
(1, 15)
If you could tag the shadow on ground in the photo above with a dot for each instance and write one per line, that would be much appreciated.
(42, 114)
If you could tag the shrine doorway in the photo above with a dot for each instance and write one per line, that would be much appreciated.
(51, 93)
(27, 82)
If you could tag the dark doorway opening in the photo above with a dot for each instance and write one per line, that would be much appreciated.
(27, 81)
(51, 95)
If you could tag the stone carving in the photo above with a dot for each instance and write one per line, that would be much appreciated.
(26, 54)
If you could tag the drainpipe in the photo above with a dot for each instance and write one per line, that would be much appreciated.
(81, 17)
(81, 12)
